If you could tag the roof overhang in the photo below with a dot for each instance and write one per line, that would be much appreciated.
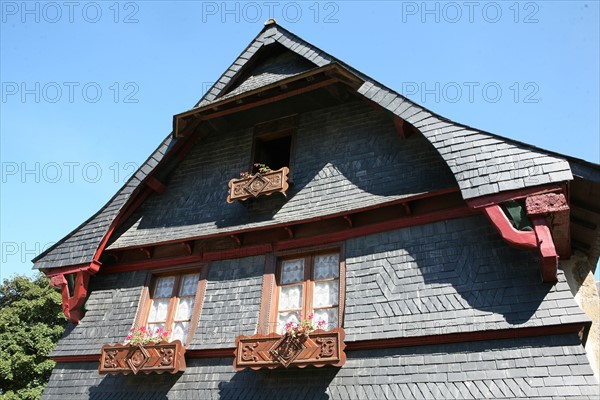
(308, 81)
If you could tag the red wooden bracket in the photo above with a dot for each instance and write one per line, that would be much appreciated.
(519, 239)
(547, 250)
(72, 302)
(539, 239)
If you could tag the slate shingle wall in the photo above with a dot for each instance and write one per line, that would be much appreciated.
(346, 157)
(450, 276)
(547, 367)
(445, 277)
(231, 303)
(111, 309)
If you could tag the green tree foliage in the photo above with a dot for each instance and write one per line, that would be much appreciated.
(31, 322)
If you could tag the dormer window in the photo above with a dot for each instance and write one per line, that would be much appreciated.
(273, 143)
(271, 167)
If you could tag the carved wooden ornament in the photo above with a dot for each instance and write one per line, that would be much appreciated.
(149, 358)
(258, 185)
(272, 351)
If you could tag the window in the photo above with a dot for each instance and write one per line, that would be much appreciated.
(173, 303)
(273, 143)
(308, 284)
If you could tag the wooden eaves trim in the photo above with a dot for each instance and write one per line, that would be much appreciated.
(333, 73)
(442, 212)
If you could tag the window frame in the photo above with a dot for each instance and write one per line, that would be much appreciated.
(268, 318)
(141, 318)
(273, 130)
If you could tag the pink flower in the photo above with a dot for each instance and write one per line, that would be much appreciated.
(143, 329)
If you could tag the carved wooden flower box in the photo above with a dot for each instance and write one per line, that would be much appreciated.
(149, 358)
(272, 351)
(258, 185)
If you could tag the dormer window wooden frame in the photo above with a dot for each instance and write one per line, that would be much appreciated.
(273, 144)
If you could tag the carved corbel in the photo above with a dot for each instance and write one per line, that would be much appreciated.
(540, 239)
(72, 302)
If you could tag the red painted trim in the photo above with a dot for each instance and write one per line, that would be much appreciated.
(237, 253)
(549, 262)
(459, 337)
(65, 270)
(294, 243)
(156, 185)
(466, 337)
(399, 125)
(499, 198)
(72, 302)
(539, 239)
(375, 228)
(211, 353)
(80, 358)
(304, 221)
(515, 238)
(150, 264)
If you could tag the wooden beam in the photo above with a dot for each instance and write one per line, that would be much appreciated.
(289, 231)
(440, 195)
(156, 185)
(373, 344)
(269, 100)
(399, 125)
(348, 220)
(503, 197)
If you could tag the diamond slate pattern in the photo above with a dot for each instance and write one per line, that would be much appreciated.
(405, 283)
(546, 367)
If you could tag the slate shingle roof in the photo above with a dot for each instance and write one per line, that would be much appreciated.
(550, 367)
(482, 163)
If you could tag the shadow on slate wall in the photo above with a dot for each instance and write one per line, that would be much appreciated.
(457, 266)
(284, 384)
(147, 387)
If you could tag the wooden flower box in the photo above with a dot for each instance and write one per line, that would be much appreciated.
(149, 358)
(258, 185)
(320, 348)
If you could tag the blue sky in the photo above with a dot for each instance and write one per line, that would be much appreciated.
(89, 88)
